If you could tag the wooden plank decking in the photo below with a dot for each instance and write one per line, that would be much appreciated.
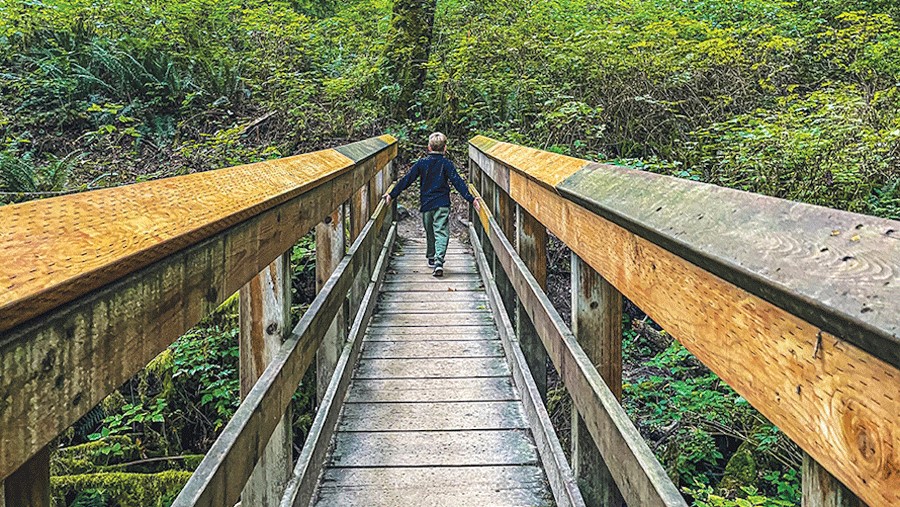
(432, 416)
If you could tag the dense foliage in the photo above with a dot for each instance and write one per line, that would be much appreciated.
(791, 98)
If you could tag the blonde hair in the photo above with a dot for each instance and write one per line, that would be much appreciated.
(437, 142)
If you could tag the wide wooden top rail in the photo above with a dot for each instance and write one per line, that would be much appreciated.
(58, 249)
(797, 307)
(95, 285)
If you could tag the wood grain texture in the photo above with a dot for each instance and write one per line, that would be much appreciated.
(432, 389)
(531, 244)
(434, 448)
(797, 375)
(495, 486)
(72, 357)
(432, 368)
(63, 248)
(837, 270)
(29, 486)
(559, 474)
(329, 252)
(432, 349)
(821, 489)
(301, 487)
(265, 319)
(638, 474)
(225, 468)
(597, 325)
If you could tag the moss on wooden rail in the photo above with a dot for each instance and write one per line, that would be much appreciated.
(796, 307)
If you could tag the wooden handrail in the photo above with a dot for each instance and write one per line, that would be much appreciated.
(220, 477)
(641, 478)
(58, 249)
(797, 307)
(99, 283)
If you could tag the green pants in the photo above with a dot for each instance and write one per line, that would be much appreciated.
(437, 233)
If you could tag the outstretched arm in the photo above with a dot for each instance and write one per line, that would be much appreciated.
(460, 185)
(404, 182)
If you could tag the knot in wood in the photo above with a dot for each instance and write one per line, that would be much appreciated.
(272, 328)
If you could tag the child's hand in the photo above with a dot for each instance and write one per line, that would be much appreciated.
(387, 198)
(477, 204)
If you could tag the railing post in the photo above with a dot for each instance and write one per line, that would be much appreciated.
(505, 213)
(29, 486)
(329, 252)
(531, 245)
(597, 325)
(265, 320)
(821, 489)
(359, 215)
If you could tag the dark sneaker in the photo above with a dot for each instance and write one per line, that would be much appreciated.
(431, 263)
(438, 271)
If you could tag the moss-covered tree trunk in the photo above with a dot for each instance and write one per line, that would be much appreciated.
(412, 27)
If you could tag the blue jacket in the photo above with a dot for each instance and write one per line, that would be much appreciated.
(436, 171)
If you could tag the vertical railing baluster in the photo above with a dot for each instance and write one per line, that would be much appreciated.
(597, 325)
(329, 252)
(29, 486)
(359, 215)
(265, 320)
(821, 489)
(531, 245)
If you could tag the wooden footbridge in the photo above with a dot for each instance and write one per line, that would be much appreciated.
(432, 391)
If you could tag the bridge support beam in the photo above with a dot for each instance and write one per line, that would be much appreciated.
(531, 245)
(359, 215)
(821, 489)
(29, 486)
(329, 252)
(597, 325)
(265, 321)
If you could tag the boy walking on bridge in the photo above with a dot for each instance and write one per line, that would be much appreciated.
(436, 172)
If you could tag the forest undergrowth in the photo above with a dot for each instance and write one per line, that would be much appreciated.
(794, 99)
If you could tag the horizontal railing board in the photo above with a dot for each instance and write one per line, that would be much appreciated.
(562, 481)
(640, 477)
(55, 368)
(837, 270)
(814, 386)
(62, 248)
(302, 484)
(220, 477)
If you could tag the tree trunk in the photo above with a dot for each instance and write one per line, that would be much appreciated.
(412, 26)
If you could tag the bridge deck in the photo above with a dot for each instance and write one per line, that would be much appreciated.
(432, 416)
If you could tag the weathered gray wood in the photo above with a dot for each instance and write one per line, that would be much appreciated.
(531, 244)
(450, 275)
(821, 489)
(638, 474)
(597, 325)
(432, 368)
(265, 320)
(478, 318)
(431, 297)
(432, 389)
(446, 332)
(431, 286)
(500, 486)
(407, 307)
(301, 488)
(562, 480)
(482, 415)
(222, 473)
(329, 252)
(29, 486)
(836, 270)
(432, 349)
(434, 448)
